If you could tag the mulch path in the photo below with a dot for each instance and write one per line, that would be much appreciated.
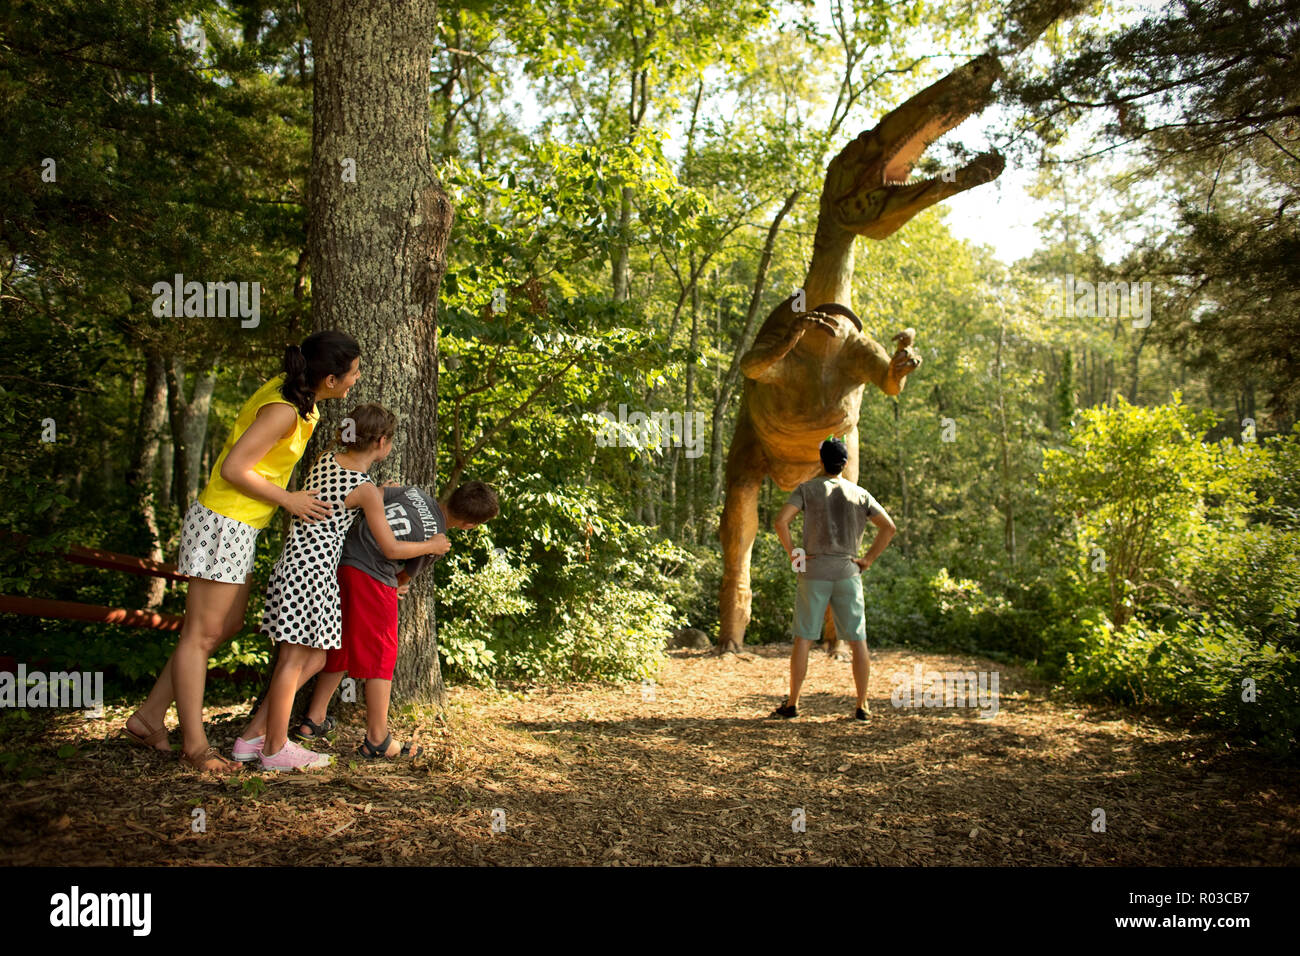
(687, 774)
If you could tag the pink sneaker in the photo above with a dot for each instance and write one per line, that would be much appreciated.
(246, 750)
(294, 757)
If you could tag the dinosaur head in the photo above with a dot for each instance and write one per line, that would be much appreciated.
(867, 187)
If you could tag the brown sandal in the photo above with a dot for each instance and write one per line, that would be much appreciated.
(151, 739)
(200, 762)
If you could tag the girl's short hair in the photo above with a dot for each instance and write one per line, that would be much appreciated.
(364, 426)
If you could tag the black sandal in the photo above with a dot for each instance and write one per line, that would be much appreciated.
(372, 752)
(785, 710)
(318, 731)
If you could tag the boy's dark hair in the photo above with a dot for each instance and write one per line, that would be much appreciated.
(834, 455)
(370, 423)
(321, 355)
(474, 502)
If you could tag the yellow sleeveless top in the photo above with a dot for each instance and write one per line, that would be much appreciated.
(276, 466)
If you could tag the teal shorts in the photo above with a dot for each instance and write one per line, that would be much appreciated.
(847, 609)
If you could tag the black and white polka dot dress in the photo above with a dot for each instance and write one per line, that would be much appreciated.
(302, 597)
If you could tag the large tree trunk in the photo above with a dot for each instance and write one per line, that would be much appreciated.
(144, 460)
(376, 250)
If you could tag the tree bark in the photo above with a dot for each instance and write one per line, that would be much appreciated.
(688, 414)
(166, 471)
(620, 267)
(189, 426)
(376, 250)
(1008, 506)
(144, 461)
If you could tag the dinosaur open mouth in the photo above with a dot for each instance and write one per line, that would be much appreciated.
(908, 131)
(898, 163)
(871, 183)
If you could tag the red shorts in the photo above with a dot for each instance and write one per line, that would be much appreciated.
(369, 648)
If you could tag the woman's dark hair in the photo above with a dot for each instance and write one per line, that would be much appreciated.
(364, 426)
(320, 355)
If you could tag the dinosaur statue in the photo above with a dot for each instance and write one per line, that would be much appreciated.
(806, 371)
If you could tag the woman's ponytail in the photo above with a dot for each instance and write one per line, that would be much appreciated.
(321, 355)
(296, 389)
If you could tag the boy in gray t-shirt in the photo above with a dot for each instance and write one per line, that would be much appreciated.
(370, 585)
(836, 513)
(414, 516)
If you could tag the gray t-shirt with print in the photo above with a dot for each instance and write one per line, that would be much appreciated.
(835, 515)
(413, 516)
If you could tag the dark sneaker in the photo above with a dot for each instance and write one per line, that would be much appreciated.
(861, 714)
(785, 710)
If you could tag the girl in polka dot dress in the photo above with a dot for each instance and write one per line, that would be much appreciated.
(302, 609)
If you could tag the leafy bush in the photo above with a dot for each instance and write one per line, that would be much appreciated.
(619, 637)
(1138, 483)
(925, 607)
(774, 585)
(1251, 579)
(489, 632)
(474, 605)
(1208, 671)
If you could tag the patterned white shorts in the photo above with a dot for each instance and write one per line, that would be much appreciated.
(215, 547)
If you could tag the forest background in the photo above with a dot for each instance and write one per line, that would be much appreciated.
(1112, 500)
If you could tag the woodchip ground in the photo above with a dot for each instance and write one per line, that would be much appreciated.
(602, 775)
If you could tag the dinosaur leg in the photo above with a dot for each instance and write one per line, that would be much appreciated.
(830, 640)
(746, 466)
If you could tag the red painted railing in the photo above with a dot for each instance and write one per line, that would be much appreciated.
(74, 611)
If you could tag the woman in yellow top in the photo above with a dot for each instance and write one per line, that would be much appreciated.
(219, 537)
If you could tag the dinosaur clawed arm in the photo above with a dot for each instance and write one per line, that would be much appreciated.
(779, 334)
(872, 365)
(767, 350)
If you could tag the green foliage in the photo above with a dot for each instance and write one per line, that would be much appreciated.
(491, 631)
(930, 608)
(1210, 600)
(1249, 578)
(1205, 671)
(1136, 482)
(471, 605)
(774, 585)
(620, 636)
